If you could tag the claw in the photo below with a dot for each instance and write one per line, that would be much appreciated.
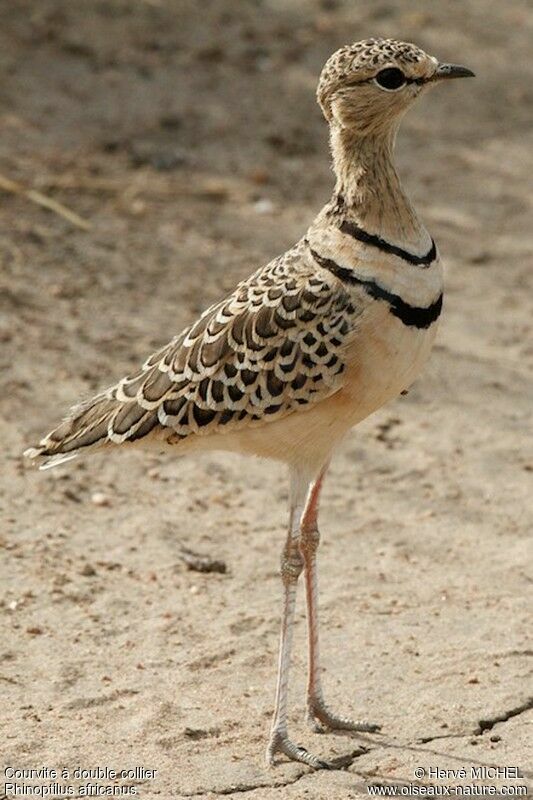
(280, 743)
(372, 727)
(322, 719)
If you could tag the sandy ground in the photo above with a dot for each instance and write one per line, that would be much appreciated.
(188, 135)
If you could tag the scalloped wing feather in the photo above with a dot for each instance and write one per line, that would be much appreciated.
(276, 344)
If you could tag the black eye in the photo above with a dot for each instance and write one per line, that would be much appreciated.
(391, 79)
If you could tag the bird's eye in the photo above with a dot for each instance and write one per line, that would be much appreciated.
(390, 79)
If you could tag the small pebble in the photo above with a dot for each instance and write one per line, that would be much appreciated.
(34, 630)
(87, 570)
(195, 733)
(495, 738)
(264, 206)
(100, 499)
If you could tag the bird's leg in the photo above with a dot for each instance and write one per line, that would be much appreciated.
(318, 714)
(291, 567)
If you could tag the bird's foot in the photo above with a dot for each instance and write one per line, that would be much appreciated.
(280, 743)
(321, 719)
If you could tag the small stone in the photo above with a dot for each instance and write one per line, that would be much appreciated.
(194, 589)
(87, 570)
(34, 630)
(495, 738)
(100, 499)
(263, 206)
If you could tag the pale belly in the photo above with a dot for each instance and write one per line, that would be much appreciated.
(383, 359)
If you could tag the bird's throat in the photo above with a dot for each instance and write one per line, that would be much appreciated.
(370, 186)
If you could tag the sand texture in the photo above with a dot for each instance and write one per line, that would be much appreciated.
(188, 136)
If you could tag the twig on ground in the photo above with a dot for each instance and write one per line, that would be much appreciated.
(7, 185)
(201, 563)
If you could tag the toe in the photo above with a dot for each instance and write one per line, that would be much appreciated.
(321, 718)
(373, 728)
(280, 743)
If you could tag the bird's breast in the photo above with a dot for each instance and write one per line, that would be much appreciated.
(383, 358)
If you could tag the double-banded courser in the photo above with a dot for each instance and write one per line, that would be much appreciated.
(308, 346)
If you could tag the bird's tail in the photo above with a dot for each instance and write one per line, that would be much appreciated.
(85, 428)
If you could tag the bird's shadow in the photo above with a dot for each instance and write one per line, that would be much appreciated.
(346, 761)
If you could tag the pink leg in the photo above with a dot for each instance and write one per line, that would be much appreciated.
(318, 713)
(300, 552)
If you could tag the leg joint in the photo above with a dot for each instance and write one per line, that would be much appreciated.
(291, 562)
(309, 541)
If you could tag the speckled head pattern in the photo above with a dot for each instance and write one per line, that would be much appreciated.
(357, 64)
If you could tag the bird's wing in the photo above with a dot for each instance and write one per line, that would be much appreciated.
(273, 346)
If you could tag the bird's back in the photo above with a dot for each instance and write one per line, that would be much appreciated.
(273, 347)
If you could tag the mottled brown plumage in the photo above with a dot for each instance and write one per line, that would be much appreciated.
(273, 346)
(309, 345)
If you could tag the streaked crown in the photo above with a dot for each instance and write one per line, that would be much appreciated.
(365, 60)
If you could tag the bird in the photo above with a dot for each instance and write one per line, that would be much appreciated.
(306, 347)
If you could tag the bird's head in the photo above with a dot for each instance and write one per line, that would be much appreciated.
(366, 87)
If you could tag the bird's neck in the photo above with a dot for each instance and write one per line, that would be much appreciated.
(370, 187)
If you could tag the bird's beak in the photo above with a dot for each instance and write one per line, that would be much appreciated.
(445, 71)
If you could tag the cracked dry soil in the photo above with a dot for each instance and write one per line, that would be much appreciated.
(190, 140)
